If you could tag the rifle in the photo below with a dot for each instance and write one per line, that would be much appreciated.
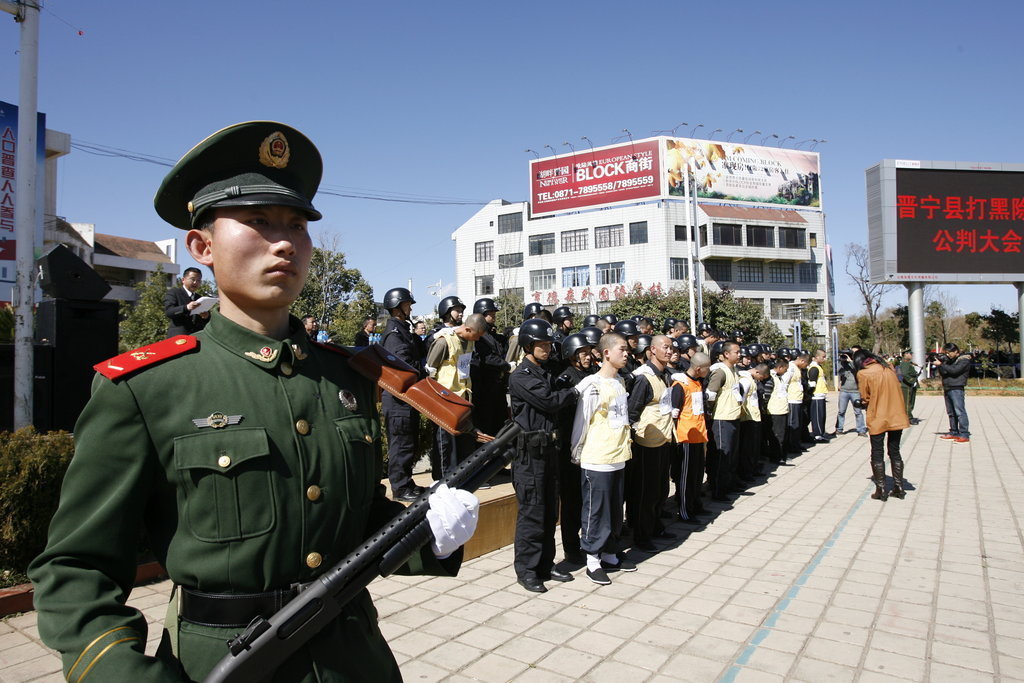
(256, 653)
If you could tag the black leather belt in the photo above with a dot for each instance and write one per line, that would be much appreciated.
(232, 610)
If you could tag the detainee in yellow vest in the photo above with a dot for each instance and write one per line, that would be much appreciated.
(726, 393)
(816, 375)
(691, 435)
(601, 445)
(650, 411)
(751, 436)
(795, 394)
(778, 412)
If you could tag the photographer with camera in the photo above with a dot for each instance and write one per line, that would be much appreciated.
(953, 367)
(849, 394)
(882, 399)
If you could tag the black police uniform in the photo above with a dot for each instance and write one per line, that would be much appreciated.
(402, 421)
(569, 487)
(488, 371)
(535, 407)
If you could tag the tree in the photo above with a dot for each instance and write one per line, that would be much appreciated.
(337, 296)
(510, 313)
(858, 268)
(1001, 327)
(974, 323)
(855, 331)
(143, 322)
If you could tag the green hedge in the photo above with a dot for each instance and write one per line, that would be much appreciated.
(32, 467)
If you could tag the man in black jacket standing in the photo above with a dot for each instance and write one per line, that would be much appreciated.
(954, 370)
(179, 303)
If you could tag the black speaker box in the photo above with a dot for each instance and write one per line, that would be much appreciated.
(42, 388)
(82, 333)
(62, 275)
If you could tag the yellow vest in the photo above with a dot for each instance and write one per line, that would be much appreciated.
(778, 404)
(751, 408)
(726, 405)
(795, 390)
(821, 386)
(654, 428)
(607, 444)
(448, 374)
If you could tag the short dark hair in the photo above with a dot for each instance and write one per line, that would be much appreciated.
(307, 317)
(191, 269)
(950, 347)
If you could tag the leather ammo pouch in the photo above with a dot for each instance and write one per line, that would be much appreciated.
(448, 411)
(385, 368)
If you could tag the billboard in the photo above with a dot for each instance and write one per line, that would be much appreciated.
(946, 221)
(8, 174)
(736, 172)
(619, 174)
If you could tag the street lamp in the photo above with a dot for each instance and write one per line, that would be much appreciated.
(699, 125)
(747, 139)
(716, 130)
(773, 135)
(729, 136)
(788, 137)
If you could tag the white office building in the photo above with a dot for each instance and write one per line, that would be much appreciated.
(775, 257)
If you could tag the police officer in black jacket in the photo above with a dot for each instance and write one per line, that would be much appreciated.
(489, 373)
(535, 406)
(400, 419)
(577, 350)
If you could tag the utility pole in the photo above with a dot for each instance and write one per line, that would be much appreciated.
(23, 296)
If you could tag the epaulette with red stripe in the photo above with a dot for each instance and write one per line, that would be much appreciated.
(340, 350)
(144, 356)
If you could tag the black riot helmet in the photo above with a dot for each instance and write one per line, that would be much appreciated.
(716, 350)
(704, 327)
(394, 297)
(485, 306)
(643, 342)
(534, 330)
(591, 320)
(753, 350)
(627, 328)
(736, 334)
(766, 349)
(686, 342)
(573, 343)
(562, 313)
(592, 334)
(668, 325)
(531, 310)
(447, 304)
(611, 318)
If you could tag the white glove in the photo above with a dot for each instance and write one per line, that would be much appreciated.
(452, 516)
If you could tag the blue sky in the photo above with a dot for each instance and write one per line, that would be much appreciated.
(439, 100)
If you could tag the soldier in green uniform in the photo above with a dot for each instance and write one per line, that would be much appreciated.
(248, 456)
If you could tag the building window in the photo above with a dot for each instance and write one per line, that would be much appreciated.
(515, 293)
(719, 271)
(728, 235)
(779, 310)
(750, 271)
(704, 235)
(484, 285)
(678, 269)
(542, 279)
(484, 251)
(574, 240)
(576, 276)
(681, 233)
(781, 273)
(813, 240)
(638, 233)
(510, 222)
(542, 244)
(608, 236)
(510, 260)
(809, 273)
(791, 238)
(760, 236)
(611, 273)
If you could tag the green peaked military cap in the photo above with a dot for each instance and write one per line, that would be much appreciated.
(256, 163)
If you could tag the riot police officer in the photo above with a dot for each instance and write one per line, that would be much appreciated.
(489, 372)
(400, 419)
(535, 406)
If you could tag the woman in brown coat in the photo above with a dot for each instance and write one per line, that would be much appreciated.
(886, 414)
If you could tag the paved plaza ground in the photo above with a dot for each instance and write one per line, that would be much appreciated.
(803, 578)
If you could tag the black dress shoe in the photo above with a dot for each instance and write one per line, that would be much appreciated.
(406, 495)
(560, 576)
(418, 490)
(533, 585)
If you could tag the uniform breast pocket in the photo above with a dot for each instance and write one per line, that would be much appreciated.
(225, 477)
(362, 471)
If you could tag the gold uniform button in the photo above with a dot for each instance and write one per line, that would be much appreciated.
(224, 461)
(313, 560)
(369, 439)
(286, 369)
(313, 492)
(302, 427)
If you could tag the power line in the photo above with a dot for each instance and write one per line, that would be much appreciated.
(332, 190)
